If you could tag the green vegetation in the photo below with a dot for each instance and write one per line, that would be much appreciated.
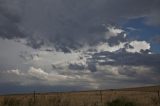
(121, 102)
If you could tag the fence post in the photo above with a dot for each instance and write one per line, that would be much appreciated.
(101, 96)
(34, 97)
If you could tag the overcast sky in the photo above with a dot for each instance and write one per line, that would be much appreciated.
(68, 45)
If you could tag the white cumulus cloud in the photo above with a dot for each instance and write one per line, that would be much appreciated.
(113, 32)
(37, 72)
(17, 72)
(138, 46)
(107, 47)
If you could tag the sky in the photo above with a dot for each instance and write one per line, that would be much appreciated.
(72, 45)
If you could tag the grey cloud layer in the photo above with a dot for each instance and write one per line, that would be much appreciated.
(133, 59)
(69, 24)
(101, 54)
(24, 67)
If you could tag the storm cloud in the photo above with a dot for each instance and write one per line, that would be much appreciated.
(78, 44)
(130, 59)
(69, 24)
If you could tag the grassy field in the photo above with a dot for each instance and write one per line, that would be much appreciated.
(144, 96)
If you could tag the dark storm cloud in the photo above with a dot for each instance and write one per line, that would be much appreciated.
(8, 27)
(76, 67)
(8, 23)
(69, 24)
(34, 42)
(92, 67)
(116, 40)
(129, 59)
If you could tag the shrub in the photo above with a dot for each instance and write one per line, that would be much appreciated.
(121, 102)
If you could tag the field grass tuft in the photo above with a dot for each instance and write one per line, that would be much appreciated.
(121, 102)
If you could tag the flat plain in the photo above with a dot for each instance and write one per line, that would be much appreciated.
(140, 96)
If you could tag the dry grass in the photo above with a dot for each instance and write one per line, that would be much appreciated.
(136, 97)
